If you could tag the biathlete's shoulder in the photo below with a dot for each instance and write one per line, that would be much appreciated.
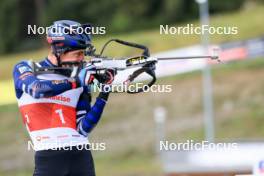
(23, 67)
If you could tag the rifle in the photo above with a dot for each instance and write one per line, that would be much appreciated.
(144, 62)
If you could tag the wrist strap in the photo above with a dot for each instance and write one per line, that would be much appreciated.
(104, 95)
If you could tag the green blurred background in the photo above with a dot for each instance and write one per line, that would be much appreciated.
(127, 126)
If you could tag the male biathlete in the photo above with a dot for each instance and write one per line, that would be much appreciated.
(56, 106)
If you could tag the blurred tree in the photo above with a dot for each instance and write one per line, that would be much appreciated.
(115, 15)
(40, 8)
(29, 13)
(224, 5)
(9, 25)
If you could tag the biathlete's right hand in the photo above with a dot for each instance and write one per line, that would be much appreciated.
(86, 75)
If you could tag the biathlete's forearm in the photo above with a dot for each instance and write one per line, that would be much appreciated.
(87, 122)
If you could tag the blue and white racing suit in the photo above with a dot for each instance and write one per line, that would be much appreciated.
(56, 114)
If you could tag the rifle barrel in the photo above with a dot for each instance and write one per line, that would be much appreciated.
(188, 57)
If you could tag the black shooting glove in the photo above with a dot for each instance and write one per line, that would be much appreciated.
(105, 79)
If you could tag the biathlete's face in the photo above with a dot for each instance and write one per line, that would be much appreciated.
(72, 58)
